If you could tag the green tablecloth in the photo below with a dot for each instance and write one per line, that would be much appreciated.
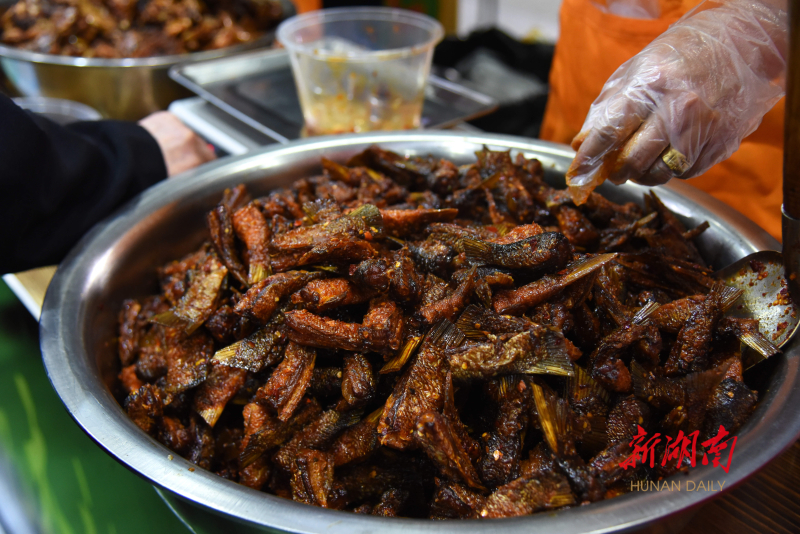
(73, 486)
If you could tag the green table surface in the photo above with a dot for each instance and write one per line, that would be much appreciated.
(72, 485)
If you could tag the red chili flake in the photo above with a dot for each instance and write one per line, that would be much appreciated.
(757, 266)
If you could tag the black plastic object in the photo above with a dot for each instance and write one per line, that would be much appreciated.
(496, 64)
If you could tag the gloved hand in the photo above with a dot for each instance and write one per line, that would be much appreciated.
(687, 100)
(181, 147)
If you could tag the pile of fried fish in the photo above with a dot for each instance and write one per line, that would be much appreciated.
(400, 336)
(145, 28)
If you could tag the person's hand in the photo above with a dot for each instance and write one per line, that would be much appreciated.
(687, 100)
(181, 147)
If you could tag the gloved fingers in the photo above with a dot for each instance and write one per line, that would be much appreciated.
(596, 157)
(610, 124)
(691, 131)
(582, 183)
(641, 151)
(613, 118)
(659, 173)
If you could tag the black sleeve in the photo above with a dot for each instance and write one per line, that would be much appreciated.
(56, 181)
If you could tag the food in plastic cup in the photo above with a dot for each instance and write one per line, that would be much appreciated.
(360, 69)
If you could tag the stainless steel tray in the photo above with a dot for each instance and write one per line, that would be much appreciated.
(117, 260)
(258, 89)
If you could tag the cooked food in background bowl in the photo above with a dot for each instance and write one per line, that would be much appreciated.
(114, 56)
(110, 29)
(117, 260)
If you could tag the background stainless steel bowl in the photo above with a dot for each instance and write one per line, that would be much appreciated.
(127, 88)
(117, 260)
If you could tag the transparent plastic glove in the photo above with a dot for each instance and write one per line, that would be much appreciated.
(181, 147)
(687, 100)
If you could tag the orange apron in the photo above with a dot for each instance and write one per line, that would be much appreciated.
(307, 5)
(593, 44)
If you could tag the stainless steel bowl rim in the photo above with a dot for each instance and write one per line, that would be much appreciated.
(155, 61)
(771, 430)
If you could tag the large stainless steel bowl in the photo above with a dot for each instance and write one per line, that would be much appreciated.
(117, 259)
(128, 88)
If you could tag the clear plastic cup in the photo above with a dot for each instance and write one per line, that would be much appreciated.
(360, 69)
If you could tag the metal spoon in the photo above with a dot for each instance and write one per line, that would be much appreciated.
(771, 280)
(791, 160)
(766, 298)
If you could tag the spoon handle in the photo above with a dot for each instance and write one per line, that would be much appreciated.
(791, 149)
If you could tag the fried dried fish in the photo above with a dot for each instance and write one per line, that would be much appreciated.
(576, 328)
(264, 432)
(312, 477)
(503, 445)
(252, 228)
(261, 300)
(145, 407)
(545, 253)
(525, 496)
(317, 434)
(358, 441)
(220, 387)
(419, 390)
(519, 300)
(436, 437)
(358, 382)
(400, 223)
(381, 331)
(188, 359)
(690, 351)
(537, 350)
(455, 501)
(364, 222)
(200, 299)
(261, 349)
(323, 295)
(220, 227)
(288, 382)
(450, 306)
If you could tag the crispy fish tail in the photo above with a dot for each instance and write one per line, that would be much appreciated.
(370, 214)
(643, 315)
(587, 266)
(397, 363)
(762, 348)
(553, 417)
(728, 295)
(258, 272)
(556, 360)
(470, 321)
(477, 252)
(581, 386)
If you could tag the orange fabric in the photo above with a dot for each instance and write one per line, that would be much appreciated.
(593, 44)
(307, 5)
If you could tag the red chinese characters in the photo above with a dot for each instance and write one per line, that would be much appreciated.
(678, 449)
(642, 451)
(683, 447)
(715, 446)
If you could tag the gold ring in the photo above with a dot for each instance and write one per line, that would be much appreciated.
(676, 161)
